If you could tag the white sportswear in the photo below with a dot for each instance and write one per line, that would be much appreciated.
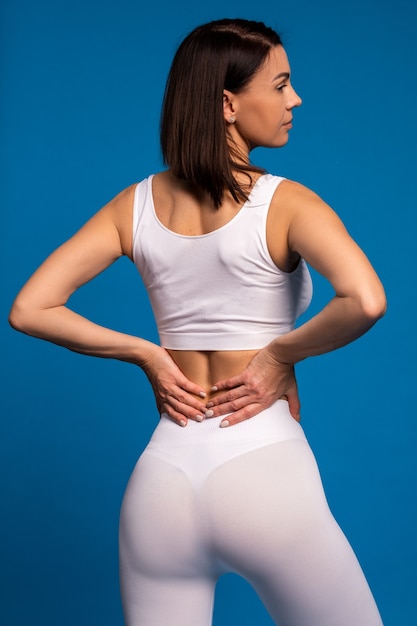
(221, 290)
(202, 500)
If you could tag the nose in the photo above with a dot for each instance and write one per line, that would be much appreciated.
(294, 99)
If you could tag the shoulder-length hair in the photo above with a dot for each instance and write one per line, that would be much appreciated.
(224, 54)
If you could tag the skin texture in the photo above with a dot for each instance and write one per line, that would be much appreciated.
(299, 224)
(263, 111)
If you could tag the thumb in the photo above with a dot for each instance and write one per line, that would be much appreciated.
(294, 404)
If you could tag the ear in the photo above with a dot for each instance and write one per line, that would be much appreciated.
(229, 109)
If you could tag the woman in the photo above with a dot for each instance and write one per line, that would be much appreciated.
(221, 246)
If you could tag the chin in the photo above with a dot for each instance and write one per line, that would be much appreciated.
(282, 141)
(279, 143)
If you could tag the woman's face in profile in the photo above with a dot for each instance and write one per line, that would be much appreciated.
(263, 112)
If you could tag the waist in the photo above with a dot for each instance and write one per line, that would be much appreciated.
(205, 368)
(272, 425)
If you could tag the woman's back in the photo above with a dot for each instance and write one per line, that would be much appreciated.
(217, 292)
(223, 257)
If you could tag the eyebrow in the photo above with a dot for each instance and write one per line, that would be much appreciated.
(281, 75)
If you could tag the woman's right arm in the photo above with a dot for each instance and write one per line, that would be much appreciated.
(41, 310)
(316, 234)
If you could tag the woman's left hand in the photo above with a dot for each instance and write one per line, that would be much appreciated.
(261, 383)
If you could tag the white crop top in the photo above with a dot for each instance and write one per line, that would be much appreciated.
(221, 290)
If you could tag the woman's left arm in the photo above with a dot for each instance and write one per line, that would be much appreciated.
(41, 308)
(318, 235)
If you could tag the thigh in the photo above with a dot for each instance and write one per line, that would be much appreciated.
(164, 574)
(272, 525)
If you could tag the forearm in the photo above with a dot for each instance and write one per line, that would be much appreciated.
(342, 321)
(66, 328)
(175, 395)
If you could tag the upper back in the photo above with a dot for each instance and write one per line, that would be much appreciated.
(214, 288)
(186, 210)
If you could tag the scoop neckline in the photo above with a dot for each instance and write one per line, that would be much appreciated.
(212, 232)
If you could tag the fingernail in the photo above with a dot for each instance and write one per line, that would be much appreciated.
(183, 423)
(224, 424)
(199, 418)
(202, 394)
(209, 413)
(214, 388)
(209, 404)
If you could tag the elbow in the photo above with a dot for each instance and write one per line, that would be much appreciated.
(374, 305)
(15, 319)
(19, 318)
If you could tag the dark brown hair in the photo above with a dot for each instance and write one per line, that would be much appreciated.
(224, 54)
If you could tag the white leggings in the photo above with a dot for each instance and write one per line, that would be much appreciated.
(203, 501)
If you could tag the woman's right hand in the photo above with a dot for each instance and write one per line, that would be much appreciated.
(256, 388)
(175, 394)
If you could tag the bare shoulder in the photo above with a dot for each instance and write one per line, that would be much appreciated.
(121, 204)
(292, 196)
(288, 200)
(316, 233)
(303, 209)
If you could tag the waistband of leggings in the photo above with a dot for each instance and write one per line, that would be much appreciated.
(272, 424)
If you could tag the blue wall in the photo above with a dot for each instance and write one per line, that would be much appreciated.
(81, 86)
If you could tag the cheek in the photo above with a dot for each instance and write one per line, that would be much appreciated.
(275, 112)
(261, 121)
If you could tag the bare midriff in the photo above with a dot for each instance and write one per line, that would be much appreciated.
(208, 367)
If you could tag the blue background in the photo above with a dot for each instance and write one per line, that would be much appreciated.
(81, 86)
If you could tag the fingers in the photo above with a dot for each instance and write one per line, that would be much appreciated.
(181, 400)
(248, 411)
(233, 389)
(294, 405)
(238, 409)
(183, 414)
(228, 383)
(229, 403)
(238, 404)
(181, 406)
(181, 409)
(239, 398)
(175, 416)
(191, 387)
